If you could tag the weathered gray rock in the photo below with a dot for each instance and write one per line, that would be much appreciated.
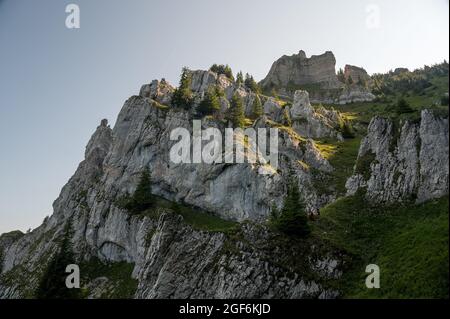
(314, 123)
(166, 268)
(160, 91)
(357, 75)
(317, 75)
(403, 163)
(297, 70)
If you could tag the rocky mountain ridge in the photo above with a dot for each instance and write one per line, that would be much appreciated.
(171, 258)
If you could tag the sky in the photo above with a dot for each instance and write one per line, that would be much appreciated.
(56, 84)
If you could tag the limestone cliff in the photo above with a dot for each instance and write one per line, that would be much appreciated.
(403, 161)
(172, 259)
(317, 75)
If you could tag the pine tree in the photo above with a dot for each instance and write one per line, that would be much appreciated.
(403, 107)
(292, 219)
(239, 78)
(235, 113)
(142, 198)
(52, 284)
(210, 103)
(183, 96)
(251, 84)
(257, 109)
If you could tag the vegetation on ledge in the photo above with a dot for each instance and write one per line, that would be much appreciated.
(409, 243)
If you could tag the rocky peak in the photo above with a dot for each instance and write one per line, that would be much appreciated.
(202, 80)
(160, 91)
(317, 74)
(100, 141)
(298, 70)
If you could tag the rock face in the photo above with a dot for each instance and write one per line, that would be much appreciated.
(317, 75)
(160, 91)
(356, 74)
(409, 162)
(314, 123)
(298, 70)
(205, 270)
(171, 258)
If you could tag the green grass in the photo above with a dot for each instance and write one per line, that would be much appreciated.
(408, 243)
(118, 274)
(201, 220)
(362, 112)
(342, 156)
(193, 216)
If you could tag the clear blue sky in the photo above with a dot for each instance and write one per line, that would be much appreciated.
(57, 84)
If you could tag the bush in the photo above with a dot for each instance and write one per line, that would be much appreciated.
(347, 130)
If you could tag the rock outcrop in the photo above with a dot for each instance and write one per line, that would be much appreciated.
(317, 75)
(403, 162)
(357, 75)
(309, 122)
(173, 259)
(297, 69)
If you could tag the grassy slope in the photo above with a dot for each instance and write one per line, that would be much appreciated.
(362, 112)
(408, 243)
(121, 284)
(342, 156)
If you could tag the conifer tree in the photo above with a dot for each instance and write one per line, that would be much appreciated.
(257, 109)
(182, 96)
(52, 284)
(210, 103)
(403, 107)
(251, 84)
(292, 219)
(235, 113)
(142, 198)
(239, 78)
